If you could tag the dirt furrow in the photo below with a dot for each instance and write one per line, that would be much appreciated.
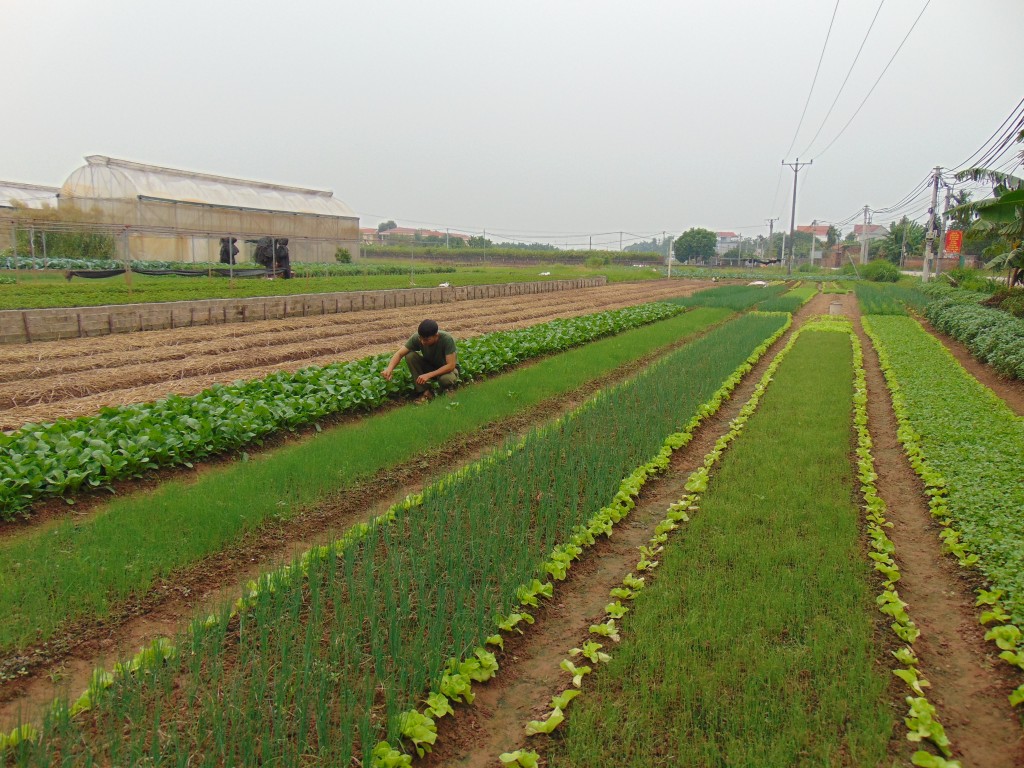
(47, 400)
(340, 327)
(969, 684)
(137, 342)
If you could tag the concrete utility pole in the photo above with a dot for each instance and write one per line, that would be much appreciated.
(942, 239)
(771, 230)
(929, 251)
(864, 238)
(792, 218)
(814, 224)
(665, 241)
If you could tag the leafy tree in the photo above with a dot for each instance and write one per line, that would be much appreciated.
(384, 226)
(905, 237)
(479, 242)
(1003, 215)
(695, 244)
(833, 236)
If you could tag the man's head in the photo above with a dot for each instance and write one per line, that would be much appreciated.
(427, 332)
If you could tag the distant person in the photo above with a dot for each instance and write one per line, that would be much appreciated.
(282, 257)
(431, 356)
(228, 250)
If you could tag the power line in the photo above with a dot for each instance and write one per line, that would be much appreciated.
(815, 79)
(981, 149)
(861, 106)
(846, 79)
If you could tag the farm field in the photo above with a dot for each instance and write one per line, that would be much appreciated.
(42, 289)
(50, 380)
(591, 590)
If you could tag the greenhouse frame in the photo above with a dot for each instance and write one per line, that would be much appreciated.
(167, 214)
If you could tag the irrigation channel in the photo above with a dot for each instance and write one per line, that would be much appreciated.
(968, 687)
(63, 379)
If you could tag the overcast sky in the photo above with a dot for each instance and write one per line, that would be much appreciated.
(533, 120)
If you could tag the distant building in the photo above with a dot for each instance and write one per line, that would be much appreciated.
(726, 242)
(406, 235)
(871, 231)
(170, 214)
(15, 195)
(820, 231)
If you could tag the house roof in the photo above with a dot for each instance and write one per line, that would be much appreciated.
(726, 234)
(870, 229)
(820, 230)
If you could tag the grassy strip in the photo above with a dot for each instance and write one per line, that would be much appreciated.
(890, 298)
(333, 656)
(791, 300)
(80, 569)
(735, 297)
(970, 461)
(755, 646)
(45, 290)
(59, 458)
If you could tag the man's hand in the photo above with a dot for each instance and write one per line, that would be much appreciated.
(422, 379)
(388, 373)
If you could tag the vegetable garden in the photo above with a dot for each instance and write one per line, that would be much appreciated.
(676, 548)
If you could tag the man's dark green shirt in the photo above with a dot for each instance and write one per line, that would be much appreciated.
(435, 354)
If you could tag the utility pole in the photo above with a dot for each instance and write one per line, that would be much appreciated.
(942, 239)
(620, 241)
(929, 250)
(792, 218)
(864, 238)
(447, 247)
(771, 230)
(665, 237)
(814, 224)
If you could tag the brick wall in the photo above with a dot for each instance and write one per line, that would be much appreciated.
(20, 326)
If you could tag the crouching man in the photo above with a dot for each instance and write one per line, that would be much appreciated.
(431, 356)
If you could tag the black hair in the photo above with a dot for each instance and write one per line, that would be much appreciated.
(427, 329)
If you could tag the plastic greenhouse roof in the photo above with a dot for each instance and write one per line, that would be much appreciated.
(29, 195)
(109, 178)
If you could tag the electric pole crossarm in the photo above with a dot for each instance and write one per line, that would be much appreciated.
(792, 218)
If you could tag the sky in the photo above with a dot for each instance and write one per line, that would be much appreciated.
(540, 120)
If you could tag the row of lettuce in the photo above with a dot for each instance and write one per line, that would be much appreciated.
(338, 647)
(92, 451)
(967, 446)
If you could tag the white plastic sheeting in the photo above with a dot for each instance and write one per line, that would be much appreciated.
(106, 178)
(28, 195)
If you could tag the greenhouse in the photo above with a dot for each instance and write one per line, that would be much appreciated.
(14, 195)
(167, 214)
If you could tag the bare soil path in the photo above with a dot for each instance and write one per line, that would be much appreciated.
(970, 684)
(530, 672)
(50, 380)
(31, 679)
